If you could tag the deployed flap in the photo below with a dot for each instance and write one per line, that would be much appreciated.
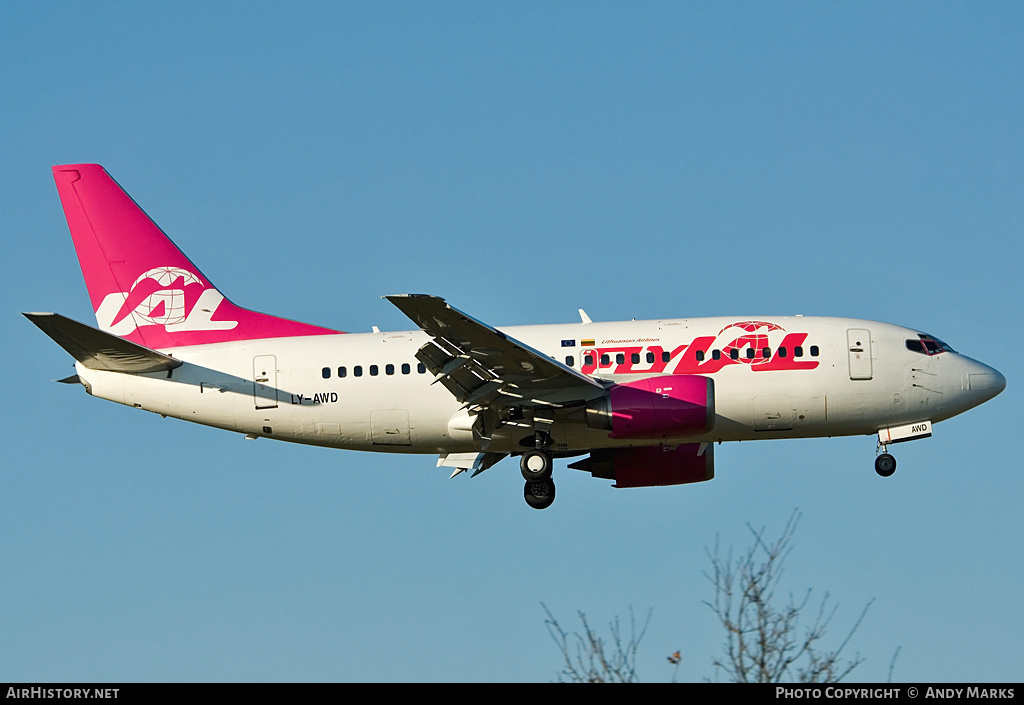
(478, 462)
(481, 365)
(98, 350)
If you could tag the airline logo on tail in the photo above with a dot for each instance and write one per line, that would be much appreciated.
(174, 298)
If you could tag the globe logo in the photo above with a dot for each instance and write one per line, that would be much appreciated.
(166, 305)
(748, 335)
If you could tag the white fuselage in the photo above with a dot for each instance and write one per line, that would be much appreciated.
(851, 377)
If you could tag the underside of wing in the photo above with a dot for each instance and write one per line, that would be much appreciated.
(483, 367)
(98, 350)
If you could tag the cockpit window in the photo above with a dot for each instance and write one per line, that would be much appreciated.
(928, 345)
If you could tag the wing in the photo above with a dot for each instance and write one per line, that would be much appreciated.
(483, 367)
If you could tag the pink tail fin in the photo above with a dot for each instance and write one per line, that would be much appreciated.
(142, 286)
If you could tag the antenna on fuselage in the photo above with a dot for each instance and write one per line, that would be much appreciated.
(584, 318)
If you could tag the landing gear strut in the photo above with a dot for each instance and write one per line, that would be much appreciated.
(536, 467)
(885, 464)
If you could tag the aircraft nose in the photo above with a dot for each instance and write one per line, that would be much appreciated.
(984, 381)
(999, 382)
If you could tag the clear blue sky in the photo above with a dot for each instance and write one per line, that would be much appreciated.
(522, 160)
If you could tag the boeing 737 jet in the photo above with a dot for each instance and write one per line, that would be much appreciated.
(641, 403)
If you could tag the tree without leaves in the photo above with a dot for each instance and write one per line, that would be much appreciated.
(765, 643)
(588, 658)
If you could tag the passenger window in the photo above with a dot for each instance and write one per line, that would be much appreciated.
(569, 361)
(666, 356)
(700, 356)
(389, 369)
(405, 368)
(620, 359)
(605, 360)
(716, 354)
(588, 360)
(734, 354)
(766, 353)
(650, 358)
(634, 358)
(342, 371)
(782, 352)
(750, 353)
(357, 370)
(421, 368)
(814, 351)
(374, 370)
(326, 372)
(798, 351)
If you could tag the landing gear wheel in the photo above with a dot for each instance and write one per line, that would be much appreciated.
(535, 465)
(885, 465)
(539, 494)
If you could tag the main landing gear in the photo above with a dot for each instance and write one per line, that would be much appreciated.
(539, 494)
(885, 464)
(536, 466)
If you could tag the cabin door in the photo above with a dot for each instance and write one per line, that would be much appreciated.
(264, 381)
(859, 344)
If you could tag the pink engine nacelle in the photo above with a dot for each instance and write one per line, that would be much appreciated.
(652, 466)
(656, 408)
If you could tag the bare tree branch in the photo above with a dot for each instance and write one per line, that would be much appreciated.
(769, 638)
(892, 664)
(765, 642)
(587, 658)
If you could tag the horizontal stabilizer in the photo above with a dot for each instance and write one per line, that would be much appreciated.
(98, 350)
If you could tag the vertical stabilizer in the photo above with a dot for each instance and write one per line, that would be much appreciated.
(142, 286)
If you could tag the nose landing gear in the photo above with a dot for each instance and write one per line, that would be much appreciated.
(885, 464)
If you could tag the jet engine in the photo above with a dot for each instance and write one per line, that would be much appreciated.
(652, 466)
(654, 408)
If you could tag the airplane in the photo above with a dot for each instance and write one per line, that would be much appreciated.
(644, 401)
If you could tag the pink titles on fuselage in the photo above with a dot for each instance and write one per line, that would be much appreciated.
(744, 343)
